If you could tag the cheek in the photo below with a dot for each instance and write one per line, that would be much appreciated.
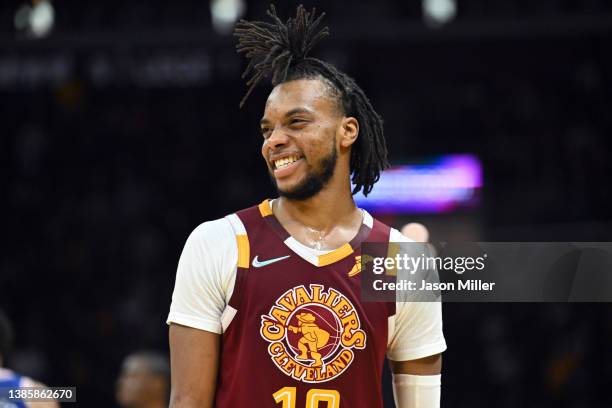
(264, 151)
(322, 145)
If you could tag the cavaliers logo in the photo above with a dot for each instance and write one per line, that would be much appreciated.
(312, 333)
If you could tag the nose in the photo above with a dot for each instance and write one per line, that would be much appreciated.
(277, 139)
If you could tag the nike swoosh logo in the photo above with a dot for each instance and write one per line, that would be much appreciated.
(258, 264)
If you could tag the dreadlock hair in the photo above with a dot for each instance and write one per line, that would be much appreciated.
(280, 50)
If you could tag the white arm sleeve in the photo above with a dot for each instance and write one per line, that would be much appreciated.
(416, 328)
(205, 277)
(416, 391)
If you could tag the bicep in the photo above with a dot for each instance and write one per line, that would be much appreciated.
(430, 365)
(417, 342)
(194, 358)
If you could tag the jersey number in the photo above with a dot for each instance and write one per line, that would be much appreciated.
(287, 395)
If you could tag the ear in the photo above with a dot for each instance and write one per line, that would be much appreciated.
(349, 131)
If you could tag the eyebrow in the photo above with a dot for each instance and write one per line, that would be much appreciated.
(292, 112)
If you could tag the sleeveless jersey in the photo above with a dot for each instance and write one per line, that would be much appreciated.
(9, 380)
(296, 334)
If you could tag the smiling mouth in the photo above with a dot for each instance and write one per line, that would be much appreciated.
(285, 161)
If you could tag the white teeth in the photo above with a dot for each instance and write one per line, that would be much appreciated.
(285, 161)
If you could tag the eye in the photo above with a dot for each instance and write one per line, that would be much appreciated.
(265, 132)
(297, 122)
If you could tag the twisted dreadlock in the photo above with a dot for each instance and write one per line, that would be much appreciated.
(280, 50)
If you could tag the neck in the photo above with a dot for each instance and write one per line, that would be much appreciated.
(330, 207)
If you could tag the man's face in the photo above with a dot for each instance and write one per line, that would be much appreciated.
(136, 383)
(299, 128)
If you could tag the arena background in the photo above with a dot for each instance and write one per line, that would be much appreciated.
(120, 132)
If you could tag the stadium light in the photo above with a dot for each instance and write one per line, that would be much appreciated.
(225, 13)
(36, 20)
(439, 12)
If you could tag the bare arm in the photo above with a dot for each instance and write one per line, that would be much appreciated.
(194, 358)
(431, 365)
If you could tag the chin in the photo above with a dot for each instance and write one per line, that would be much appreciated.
(301, 191)
(289, 185)
(302, 185)
(288, 192)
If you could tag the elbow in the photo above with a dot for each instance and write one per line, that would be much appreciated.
(187, 401)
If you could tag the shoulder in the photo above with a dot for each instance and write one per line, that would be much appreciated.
(227, 227)
(209, 247)
(215, 245)
(223, 231)
(214, 230)
(216, 234)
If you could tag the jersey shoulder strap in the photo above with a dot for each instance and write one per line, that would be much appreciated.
(246, 224)
(380, 232)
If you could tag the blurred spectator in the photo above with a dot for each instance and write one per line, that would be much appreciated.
(10, 380)
(416, 232)
(144, 381)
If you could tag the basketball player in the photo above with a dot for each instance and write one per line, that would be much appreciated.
(266, 310)
(10, 379)
(144, 381)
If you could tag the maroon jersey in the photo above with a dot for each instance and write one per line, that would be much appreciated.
(296, 334)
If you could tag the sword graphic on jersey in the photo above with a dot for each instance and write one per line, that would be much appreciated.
(312, 333)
